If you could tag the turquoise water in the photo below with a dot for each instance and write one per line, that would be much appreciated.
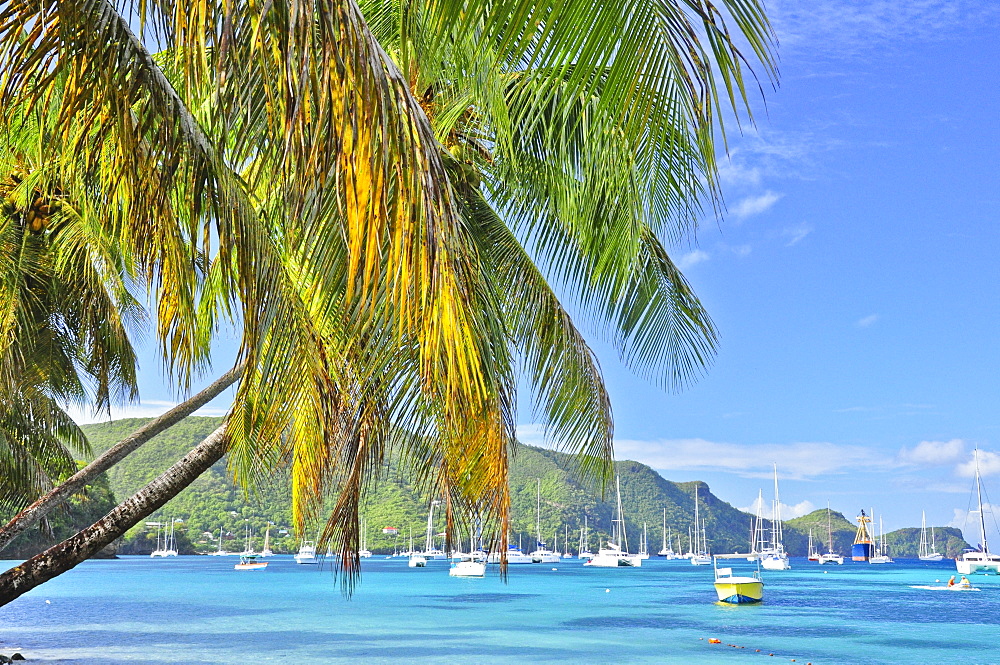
(199, 610)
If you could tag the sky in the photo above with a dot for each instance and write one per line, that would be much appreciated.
(853, 278)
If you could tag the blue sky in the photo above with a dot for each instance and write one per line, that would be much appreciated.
(853, 278)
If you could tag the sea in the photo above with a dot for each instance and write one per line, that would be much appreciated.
(198, 609)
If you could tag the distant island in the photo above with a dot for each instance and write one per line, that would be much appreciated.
(212, 502)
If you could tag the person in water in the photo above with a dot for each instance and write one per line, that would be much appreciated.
(951, 582)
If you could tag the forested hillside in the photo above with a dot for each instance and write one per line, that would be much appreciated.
(212, 502)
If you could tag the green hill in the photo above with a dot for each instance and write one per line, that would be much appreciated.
(900, 543)
(213, 502)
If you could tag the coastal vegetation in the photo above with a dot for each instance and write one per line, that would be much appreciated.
(212, 503)
(444, 166)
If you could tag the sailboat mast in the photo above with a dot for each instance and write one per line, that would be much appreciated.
(538, 513)
(829, 529)
(697, 523)
(622, 536)
(777, 510)
(982, 517)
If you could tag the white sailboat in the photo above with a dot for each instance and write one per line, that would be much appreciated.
(267, 542)
(219, 551)
(430, 550)
(830, 556)
(776, 558)
(468, 565)
(616, 555)
(363, 550)
(585, 552)
(699, 549)
(542, 554)
(813, 554)
(926, 553)
(415, 559)
(169, 547)
(880, 556)
(665, 549)
(566, 553)
(757, 530)
(981, 560)
(643, 545)
(248, 558)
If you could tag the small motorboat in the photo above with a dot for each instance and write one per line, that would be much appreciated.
(250, 562)
(737, 589)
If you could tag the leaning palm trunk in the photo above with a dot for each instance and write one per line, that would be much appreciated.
(43, 506)
(67, 554)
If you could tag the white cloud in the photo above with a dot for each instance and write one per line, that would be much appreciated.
(968, 522)
(797, 460)
(148, 409)
(796, 234)
(734, 173)
(989, 465)
(754, 205)
(692, 259)
(866, 321)
(787, 512)
(931, 453)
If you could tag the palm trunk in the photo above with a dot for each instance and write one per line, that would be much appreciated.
(43, 506)
(67, 554)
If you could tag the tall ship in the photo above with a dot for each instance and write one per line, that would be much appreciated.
(863, 546)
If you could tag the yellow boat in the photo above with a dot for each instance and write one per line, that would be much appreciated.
(737, 589)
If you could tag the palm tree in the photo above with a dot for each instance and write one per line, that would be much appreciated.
(441, 169)
(65, 316)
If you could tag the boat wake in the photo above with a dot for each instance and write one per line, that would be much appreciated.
(943, 587)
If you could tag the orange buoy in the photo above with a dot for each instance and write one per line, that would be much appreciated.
(713, 640)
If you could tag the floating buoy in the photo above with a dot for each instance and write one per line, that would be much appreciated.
(48, 602)
(714, 640)
(555, 569)
(607, 591)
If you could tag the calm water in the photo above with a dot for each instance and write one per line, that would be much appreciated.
(199, 610)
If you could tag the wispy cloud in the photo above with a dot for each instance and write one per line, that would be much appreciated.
(692, 259)
(932, 453)
(840, 30)
(755, 205)
(797, 460)
(786, 511)
(796, 234)
(866, 321)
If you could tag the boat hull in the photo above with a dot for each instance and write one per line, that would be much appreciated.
(467, 569)
(740, 591)
(971, 566)
(861, 551)
(932, 557)
(775, 563)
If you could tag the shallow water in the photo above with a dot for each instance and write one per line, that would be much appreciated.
(199, 610)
